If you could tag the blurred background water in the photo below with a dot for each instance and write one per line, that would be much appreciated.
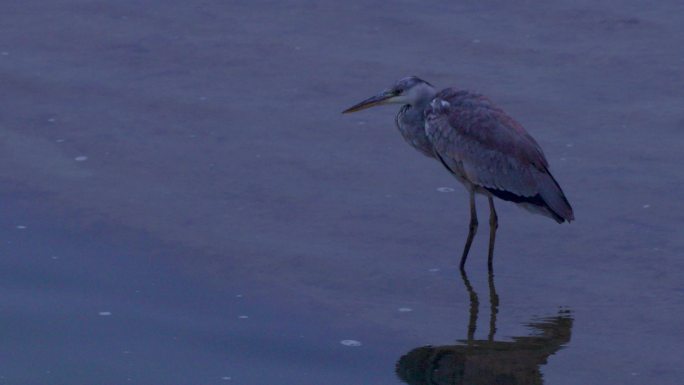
(183, 203)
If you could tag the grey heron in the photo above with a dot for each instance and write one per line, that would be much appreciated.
(478, 143)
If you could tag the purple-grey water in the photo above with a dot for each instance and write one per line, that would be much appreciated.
(183, 203)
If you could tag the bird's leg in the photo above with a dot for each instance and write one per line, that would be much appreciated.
(472, 229)
(493, 225)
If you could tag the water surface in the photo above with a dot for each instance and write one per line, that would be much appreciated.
(184, 203)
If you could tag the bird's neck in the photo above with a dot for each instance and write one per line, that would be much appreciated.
(415, 110)
(411, 124)
(423, 99)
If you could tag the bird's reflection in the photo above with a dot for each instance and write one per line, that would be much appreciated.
(487, 361)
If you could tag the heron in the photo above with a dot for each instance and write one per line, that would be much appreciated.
(487, 151)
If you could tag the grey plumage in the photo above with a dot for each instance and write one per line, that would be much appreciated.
(491, 151)
(483, 147)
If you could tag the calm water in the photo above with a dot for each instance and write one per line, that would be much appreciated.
(183, 203)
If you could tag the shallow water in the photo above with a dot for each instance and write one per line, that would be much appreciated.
(183, 202)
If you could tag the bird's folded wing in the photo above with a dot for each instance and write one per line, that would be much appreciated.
(487, 146)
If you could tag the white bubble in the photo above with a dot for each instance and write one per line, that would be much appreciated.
(433, 270)
(405, 309)
(243, 317)
(21, 227)
(445, 189)
(352, 343)
(646, 206)
(226, 378)
(105, 313)
(81, 158)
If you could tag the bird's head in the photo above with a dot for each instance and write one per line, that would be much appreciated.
(410, 90)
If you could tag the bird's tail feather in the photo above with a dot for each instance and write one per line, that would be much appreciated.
(553, 196)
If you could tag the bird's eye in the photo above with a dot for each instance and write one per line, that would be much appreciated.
(398, 92)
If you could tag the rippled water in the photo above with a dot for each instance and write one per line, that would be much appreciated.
(183, 203)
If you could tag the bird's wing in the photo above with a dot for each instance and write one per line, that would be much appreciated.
(491, 150)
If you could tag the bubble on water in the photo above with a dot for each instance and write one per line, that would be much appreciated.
(52, 120)
(243, 317)
(21, 227)
(433, 270)
(475, 41)
(59, 140)
(226, 378)
(445, 189)
(4, 53)
(352, 343)
(405, 309)
(569, 145)
(105, 313)
(238, 295)
(646, 206)
(81, 158)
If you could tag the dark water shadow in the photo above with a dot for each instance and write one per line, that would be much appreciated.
(488, 361)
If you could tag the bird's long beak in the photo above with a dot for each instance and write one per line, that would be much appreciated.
(376, 100)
